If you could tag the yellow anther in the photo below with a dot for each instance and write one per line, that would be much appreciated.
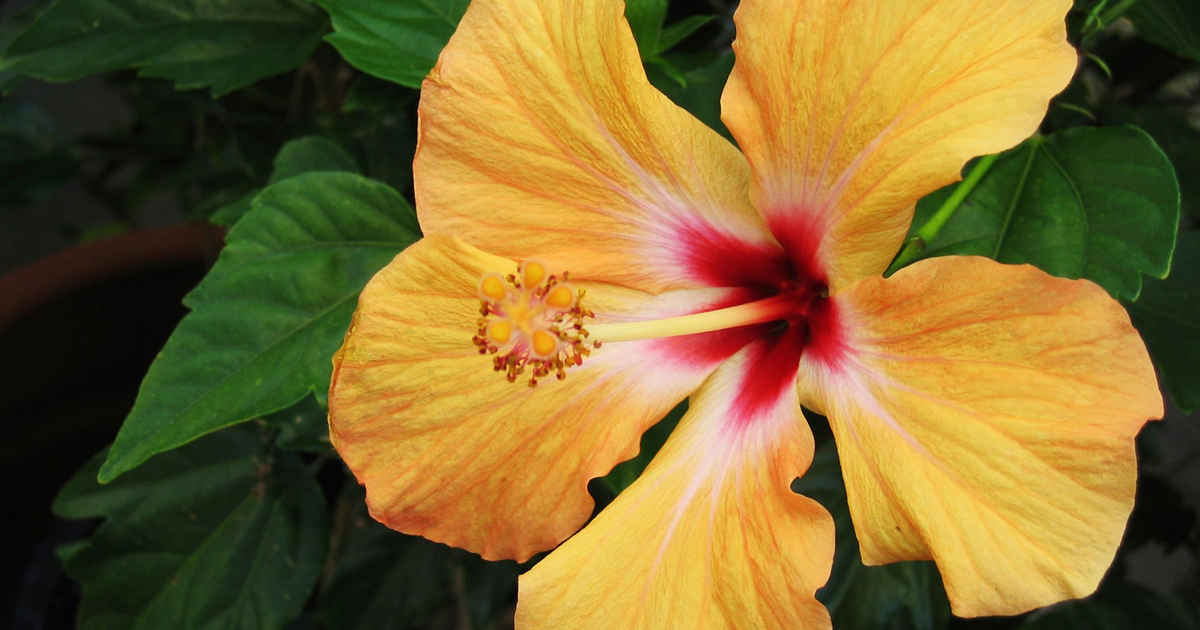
(500, 331)
(544, 344)
(532, 273)
(532, 324)
(561, 296)
(492, 287)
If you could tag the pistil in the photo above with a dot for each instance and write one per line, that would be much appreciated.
(535, 323)
(775, 308)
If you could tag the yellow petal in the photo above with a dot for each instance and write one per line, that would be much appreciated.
(985, 417)
(541, 136)
(849, 111)
(449, 449)
(711, 535)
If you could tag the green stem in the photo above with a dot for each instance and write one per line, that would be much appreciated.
(926, 233)
(1101, 19)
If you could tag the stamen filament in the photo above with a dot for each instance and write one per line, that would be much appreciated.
(774, 308)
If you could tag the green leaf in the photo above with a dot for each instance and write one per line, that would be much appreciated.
(310, 154)
(302, 427)
(668, 69)
(270, 314)
(1095, 203)
(1167, 314)
(384, 580)
(397, 40)
(627, 472)
(646, 19)
(379, 122)
(371, 95)
(1172, 24)
(1176, 137)
(195, 43)
(1089, 18)
(9, 30)
(899, 595)
(34, 159)
(228, 215)
(681, 30)
(220, 534)
(701, 94)
(1118, 608)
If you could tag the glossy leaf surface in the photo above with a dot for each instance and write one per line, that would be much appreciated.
(398, 40)
(1101, 204)
(269, 316)
(223, 533)
(310, 154)
(1176, 137)
(195, 43)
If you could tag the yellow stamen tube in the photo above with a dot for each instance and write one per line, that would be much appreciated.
(767, 310)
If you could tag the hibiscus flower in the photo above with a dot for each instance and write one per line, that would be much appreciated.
(984, 414)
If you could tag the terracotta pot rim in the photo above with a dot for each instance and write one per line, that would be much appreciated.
(46, 279)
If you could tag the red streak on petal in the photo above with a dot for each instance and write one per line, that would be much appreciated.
(719, 259)
(827, 335)
(706, 350)
(800, 237)
(770, 371)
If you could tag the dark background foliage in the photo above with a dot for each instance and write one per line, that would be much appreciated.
(148, 120)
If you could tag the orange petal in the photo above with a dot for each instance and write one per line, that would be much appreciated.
(449, 449)
(850, 111)
(540, 136)
(985, 417)
(711, 535)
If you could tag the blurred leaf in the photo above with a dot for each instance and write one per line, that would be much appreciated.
(1178, 139)
(1090, 17)
(1095, 203)
(385, 580)
(369, 94)
(1172, 24)
(310, 154)
(222, 533)
(681, 30)
(398, 40)
(490, 589)
(195, 43)
(9, 30)
(269, 316)
(1160, 512)
(1167, 314)
(228, 215)
(302, 427)
(34, 159)
(702, 93)
(1120, 608)
(899, 595)
(379, 122)
(627, 472)
(646, 19)
(668, 69)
